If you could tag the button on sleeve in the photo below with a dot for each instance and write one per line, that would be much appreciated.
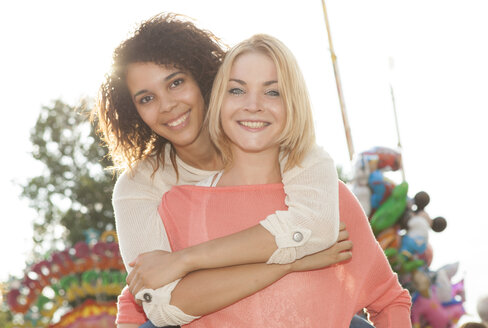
(147, 297)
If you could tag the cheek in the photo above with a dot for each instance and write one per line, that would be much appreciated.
(225, 112)
(193, 97)
(141, 114)
(147, 116)
(279, 112)
(283, 118)
(225, 121)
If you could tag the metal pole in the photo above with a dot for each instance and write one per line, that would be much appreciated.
(345, 120)
(398, 131)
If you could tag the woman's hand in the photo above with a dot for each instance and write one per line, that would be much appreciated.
(339, 252)
(155, 269)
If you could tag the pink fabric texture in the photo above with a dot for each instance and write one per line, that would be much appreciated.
(321, 298)
(127, 309)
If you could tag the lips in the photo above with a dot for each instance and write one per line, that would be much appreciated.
(254, 124)
(179, 120)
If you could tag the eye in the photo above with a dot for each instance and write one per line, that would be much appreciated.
(236, 91)
(176, 83)
(145, 99)
(273, 93)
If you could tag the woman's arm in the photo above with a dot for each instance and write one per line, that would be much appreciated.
(313, 209)
(387, 302)
(135, 200)
(224, 286)
(310, 225)
(206, 291)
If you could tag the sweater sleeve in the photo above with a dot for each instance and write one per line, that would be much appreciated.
(140, 229)
(159, 310)
(386, 301)
(389, 304)
(311, 223)
(135, 199)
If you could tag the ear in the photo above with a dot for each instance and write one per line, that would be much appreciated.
(439, 224)
(421, 200)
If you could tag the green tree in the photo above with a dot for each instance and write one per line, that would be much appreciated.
(73, 191)
(5, 318)
(5, 315)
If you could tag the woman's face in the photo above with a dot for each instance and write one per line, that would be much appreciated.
(168, 100)
(252, 113)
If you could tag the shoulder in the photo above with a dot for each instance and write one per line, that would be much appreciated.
(144, 178)
(347, 200)
(316, 159)
(351, 212)
(316, 167)
(316, 154)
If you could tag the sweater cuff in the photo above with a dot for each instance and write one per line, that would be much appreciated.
(157, 308)
(287, 238)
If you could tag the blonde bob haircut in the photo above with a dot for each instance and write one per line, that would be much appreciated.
(298, 134)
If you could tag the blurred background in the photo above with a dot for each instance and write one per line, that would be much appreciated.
(432, 54)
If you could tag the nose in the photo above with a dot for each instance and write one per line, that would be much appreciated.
(253, 103)
(167, 103)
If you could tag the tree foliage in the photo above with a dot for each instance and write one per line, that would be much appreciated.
(5, 315)
(73, 191)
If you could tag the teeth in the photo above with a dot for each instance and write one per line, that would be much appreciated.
(253, 125)
(179, 121)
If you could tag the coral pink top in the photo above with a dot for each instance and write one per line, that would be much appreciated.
(321, 298)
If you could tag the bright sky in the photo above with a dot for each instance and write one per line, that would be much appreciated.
(60, 49)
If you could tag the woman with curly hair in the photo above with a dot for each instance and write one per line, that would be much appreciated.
(150, 114)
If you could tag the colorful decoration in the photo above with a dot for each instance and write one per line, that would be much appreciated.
(386, 158)
(402, 227)
(391, 210)
(430, 310)
(90, 314)
(368, 183)
(72, 280)
(360, 186)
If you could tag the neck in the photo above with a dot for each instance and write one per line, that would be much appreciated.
(252, 168)
(201, 154)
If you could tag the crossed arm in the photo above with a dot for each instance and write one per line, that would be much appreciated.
(206, 291)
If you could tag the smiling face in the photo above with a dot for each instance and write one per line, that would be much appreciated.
(169, 101)
(252, 112)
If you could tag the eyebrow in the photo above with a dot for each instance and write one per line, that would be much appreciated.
(244, 83)
(167, 78)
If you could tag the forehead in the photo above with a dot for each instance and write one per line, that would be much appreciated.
(253, 64)
(141, 69)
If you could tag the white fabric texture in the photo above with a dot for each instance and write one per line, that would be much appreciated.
(312, 197)
(313, 210)
(161, 313)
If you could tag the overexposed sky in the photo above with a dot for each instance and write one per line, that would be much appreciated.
(61, 49)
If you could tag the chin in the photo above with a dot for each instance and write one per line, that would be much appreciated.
(255, 149)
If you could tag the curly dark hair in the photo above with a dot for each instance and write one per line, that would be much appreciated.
(165, 39)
